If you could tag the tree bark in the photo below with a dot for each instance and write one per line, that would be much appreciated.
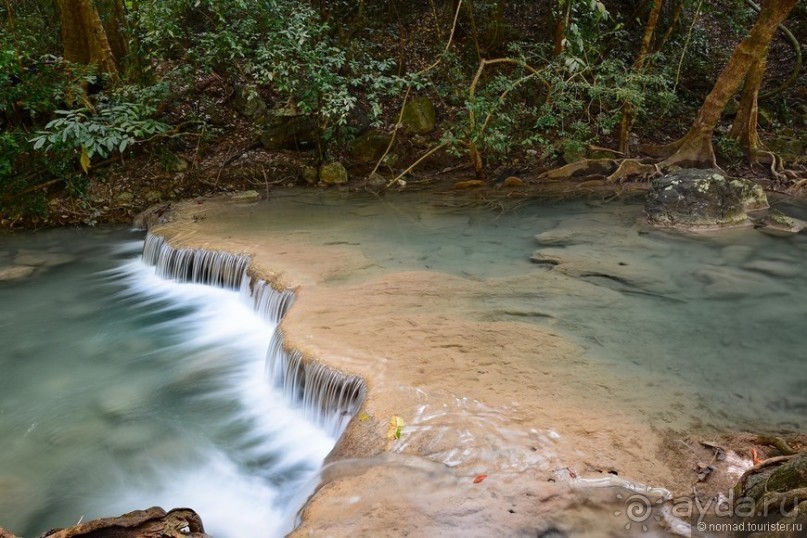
(84, 39)
(695, 148)
(744, 128)
(114, 27)
(627, 109)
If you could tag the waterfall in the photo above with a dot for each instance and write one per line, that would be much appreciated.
(328, 397)
(212, 267)
(268, 302)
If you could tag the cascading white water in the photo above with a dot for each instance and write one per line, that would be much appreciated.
(268, 302)
(328, 398)
(212, 267)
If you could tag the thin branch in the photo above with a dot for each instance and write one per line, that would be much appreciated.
(686, 44)
(409, 90)
(425, 156)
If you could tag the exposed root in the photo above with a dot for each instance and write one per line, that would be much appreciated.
(799, 185)
(661, 152)
(582, 168)
(634, 170)
(592, 147)
(772, 160)
(792, 497)
(778, 443)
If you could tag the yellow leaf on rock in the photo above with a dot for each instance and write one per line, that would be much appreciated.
(84, 160)
(396, 425)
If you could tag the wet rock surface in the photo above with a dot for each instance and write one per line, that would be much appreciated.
(16, 272)
(702, 199)
(774, 222)
(151, 523)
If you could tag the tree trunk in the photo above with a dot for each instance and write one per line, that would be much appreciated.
(627, 108)
(84, 38)
(695, 148)
(114, 26)
(744, 128)
(564, 14)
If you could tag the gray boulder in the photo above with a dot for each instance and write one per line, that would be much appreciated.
(702, 199)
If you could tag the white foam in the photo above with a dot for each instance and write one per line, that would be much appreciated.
(222, 485)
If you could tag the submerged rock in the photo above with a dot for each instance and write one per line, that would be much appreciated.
(736, 253)
(774, 222)
(702, 199)
(46, 259)
(774, 268)
(592, 264)
(16, 272)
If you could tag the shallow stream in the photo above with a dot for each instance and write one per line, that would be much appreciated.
(119, 390)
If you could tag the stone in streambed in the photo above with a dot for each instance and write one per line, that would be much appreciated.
(176, 523)
(587, 263)
(702, 199)
(778, 224)
(45, 259)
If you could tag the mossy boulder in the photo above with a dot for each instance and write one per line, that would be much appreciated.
(702, 199)
(333, 174)
(248, 103)
(370, 146)
(419, 116)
